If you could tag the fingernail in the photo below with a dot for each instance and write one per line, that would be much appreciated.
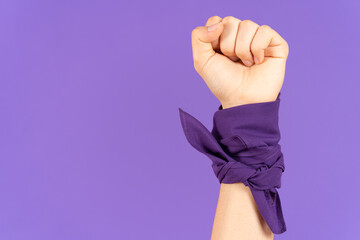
(247, 63)
(256, 60)
(213, 27)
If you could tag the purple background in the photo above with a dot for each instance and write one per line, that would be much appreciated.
(91, 145)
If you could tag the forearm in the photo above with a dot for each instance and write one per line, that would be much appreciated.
(237, 216)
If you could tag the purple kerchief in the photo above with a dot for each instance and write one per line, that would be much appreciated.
(243, 147)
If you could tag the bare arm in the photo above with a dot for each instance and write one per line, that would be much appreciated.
(237, 216)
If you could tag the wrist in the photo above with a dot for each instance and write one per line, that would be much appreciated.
(234, 103)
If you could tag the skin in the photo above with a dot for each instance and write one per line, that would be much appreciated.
(241, 62)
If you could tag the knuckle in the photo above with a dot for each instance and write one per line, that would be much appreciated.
(286, 44)
(247, 22)
(229, 19)
(195, 31)
(265, 28)
(214, 18)
(286, 48)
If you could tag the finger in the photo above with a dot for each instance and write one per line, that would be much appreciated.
(268, 43)
(247, 30)
(228, 37)
(216, 43)
(201, 38)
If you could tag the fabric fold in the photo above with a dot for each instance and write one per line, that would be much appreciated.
(243, 147)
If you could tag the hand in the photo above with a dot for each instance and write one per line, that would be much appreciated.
(240, 61)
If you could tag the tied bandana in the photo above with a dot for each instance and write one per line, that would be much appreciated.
(243, 147)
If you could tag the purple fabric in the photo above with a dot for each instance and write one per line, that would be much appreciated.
(243, 147)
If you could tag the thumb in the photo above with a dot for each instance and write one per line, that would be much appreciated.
(201, 38)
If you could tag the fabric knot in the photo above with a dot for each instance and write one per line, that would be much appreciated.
(243, 146)
(259, 175)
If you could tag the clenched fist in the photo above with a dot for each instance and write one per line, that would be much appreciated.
(240, 61)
